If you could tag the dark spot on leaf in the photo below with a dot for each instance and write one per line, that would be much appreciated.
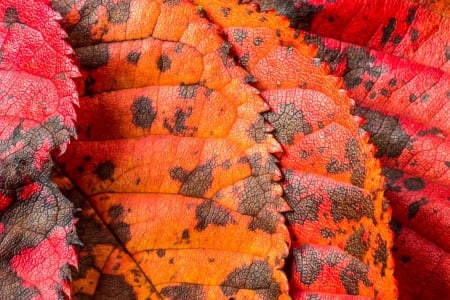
(179, 174)
(114, 287)
(184, 291)
(414, 207)
(386, 132)
(431, 131)
(209, 213)
(255, 277)
(349, 202)
(257, 41)
(305, 207)
(384, 92)
(358, 244)
(397, 39)
(185, 234)
(288, 123)
(414, 184)
(93, 57)
(198, 181)
(11, 16)
(225, 11)
(118, 12)
(414, 35)
(121, 230)
(105, 170)
(411, 15)
(187, 91)
(368, 85)
(143, 112)
(308, 264)
(396, 227)
(115, 211)
(388, 30)
(327, 233)
(305, 15)
(172, 2)
(257, 130)
(177, 126)
(239, 36)
(424, 98)
(164, 63)
(392, 174)
(133, 57)
(381, 253)
(405, 259)
(161, 253)
(412, 98)
(351, 275)
(393, 82)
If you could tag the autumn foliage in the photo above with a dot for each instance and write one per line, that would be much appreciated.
(217, 155)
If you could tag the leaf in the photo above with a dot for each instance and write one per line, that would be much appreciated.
(172, 166)
(405, 104)
(36, 116)
(332, 181)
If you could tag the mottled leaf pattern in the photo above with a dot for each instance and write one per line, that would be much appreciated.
(396, 68)
(172, 166)
(37, 96)
(332, 181)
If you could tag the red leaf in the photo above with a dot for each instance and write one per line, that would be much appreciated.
(36, 116)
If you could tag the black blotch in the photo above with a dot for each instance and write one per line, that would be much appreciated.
(393, 82)
(161, 253)
(392, 174)
(304, 15)
(177, 126)
(397, 39)
(411, 15)
(414, 184)
(93, 57)
(405, 259)
(187, 91)
(349, 202)
(447, 57)
(133, 57)
(185, 234)
(118, 12)
(114, 287)
(384, 92)
(121, 230)
(447, 164)
(368, 85)
(225, 11)
(255, 277)
(11, 16)
(424, 98)
(209, 213)
(414, 35)
(332, 56)
(396, 227)
(143, 112)
(431, 131)
(412, 98)
(105, 170)
(257, 41)
(359, 62)
(388, 30)
(115, 211)
(305, 207)
(239, 36)
(327, 233)
(87, 158)
(414, 207)
(224, 50)
(198, 181)
(308, 264)
(257, 130)
(244, 59)
(164, 63)
(288, 123)
(357, 244)
(178, 174)
(184, 291)
(351, 275)
(386, 132)
(381, 253)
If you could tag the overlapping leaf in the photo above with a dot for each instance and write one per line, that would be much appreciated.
(172, 164)
(394, 61)
(332, 182)
(36, 116)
